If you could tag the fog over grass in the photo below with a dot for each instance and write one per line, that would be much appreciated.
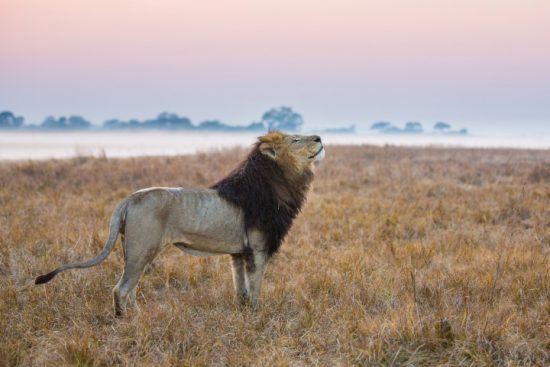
(39, 145)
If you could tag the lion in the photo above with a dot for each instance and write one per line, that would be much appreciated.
(246, 215)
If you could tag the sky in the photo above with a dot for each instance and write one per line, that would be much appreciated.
(479, 64)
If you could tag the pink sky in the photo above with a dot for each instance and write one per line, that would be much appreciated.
(480, 64)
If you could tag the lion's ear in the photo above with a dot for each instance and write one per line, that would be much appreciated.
(268, 149)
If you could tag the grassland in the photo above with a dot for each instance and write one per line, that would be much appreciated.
(401, 256)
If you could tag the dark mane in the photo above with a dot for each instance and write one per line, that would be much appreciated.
(269, 196)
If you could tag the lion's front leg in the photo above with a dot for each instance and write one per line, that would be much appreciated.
(239, 280)
(255, 265)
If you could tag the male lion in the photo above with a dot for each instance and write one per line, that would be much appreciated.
(246, 215)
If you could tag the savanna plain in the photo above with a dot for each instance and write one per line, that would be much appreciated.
(401, 256)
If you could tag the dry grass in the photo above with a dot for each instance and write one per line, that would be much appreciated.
(401, 256)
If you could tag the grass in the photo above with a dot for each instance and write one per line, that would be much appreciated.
(402, 256)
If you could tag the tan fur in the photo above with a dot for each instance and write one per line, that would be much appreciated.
(197, 221)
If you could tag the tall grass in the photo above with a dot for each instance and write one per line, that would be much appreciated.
(401, 256)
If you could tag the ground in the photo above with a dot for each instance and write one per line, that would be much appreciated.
(419, 256)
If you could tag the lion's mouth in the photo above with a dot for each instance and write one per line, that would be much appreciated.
(317, 153)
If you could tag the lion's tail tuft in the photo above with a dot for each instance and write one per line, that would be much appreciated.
(41, 279)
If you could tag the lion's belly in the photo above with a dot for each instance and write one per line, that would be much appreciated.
(209, 244)
(204, 222)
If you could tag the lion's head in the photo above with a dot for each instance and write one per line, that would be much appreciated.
(290, 150)
(271, 184)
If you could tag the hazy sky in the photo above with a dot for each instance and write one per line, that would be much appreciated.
(482, 64)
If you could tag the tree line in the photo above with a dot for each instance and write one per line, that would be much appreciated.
(414, 127)
(281, 118)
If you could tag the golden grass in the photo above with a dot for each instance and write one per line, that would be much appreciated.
(401, 256)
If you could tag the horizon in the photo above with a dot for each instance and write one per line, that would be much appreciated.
(281, 118)
(484, 67)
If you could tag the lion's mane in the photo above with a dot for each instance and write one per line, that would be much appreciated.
(270, 193)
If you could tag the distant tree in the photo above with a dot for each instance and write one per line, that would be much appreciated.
(51, 122)
(64, 123)
(282, 118)
(341, 130)
(442, 127)
(164, 120)
(413, 127)
(133, 124)
(393, 130)
(217, 125)
(78, 122)
(9, 121)
(213, 125)
(255, 126)
(385, 127)
(381, 125)
(113, 124)
(169, 121)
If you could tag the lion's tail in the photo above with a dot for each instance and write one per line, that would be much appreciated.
(117, 220)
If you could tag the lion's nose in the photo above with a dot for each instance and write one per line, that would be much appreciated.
(316, 138)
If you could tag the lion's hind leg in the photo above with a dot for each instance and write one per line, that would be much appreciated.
(137, 255)
(132, 298)
(126, 286)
